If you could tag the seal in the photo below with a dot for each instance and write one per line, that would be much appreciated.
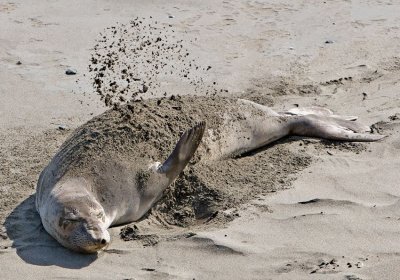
(107, 173)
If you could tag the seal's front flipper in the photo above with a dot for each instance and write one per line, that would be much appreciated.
(332, 129)
(183, 152)
(161, 176)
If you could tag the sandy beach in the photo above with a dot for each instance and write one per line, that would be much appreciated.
(326, 210)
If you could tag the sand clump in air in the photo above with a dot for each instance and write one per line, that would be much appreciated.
(131, 60)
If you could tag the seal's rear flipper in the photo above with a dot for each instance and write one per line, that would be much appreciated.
(183, 152)
(319, 111)
(332, 129)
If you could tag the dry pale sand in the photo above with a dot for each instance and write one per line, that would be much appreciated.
(340, 217)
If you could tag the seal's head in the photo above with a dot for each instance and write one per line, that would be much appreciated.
(78, 223)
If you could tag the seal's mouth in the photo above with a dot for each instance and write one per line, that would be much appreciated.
(95, 247)
(89, 240)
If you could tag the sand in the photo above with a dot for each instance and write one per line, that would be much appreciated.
(336, 219)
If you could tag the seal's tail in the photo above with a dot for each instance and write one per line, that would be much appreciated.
(331, 128)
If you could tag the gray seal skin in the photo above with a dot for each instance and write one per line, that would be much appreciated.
(107, 172)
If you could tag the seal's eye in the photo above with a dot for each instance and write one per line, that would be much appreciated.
(74, 220)
(64, 222)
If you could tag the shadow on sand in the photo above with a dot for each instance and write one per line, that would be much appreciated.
(34, 245)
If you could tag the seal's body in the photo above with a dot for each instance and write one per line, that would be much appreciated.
(107, 172)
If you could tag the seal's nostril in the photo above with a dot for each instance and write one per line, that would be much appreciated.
(103, 241)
